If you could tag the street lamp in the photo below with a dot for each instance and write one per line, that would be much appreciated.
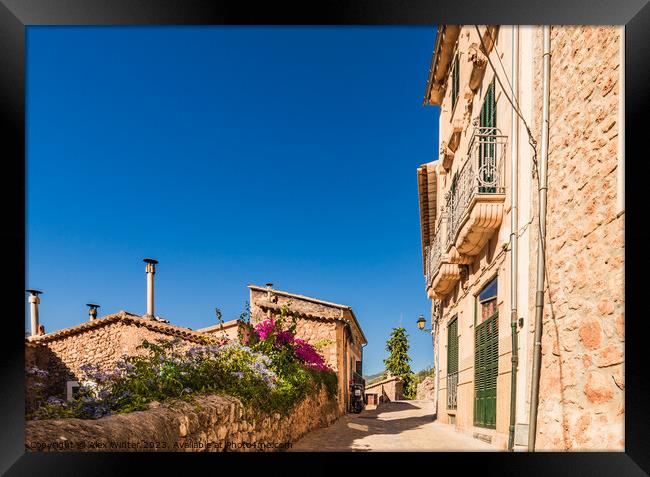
(421, 324)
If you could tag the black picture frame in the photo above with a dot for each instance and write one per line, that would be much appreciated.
(16, 15)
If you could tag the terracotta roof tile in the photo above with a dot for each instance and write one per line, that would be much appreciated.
(124, 317)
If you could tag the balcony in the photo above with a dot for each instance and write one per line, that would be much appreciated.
(475, 201)
(442, 272)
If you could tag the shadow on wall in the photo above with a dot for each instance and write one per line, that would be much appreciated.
(55, 384)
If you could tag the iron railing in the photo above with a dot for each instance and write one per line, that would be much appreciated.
(434, 252)
(482, 173)
(452, 390)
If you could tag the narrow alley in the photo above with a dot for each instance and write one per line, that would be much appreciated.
(394, 426)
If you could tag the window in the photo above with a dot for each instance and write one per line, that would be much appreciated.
(486, 357)
(487, 144)
(452, 363)
(72, 388)
(455, 81)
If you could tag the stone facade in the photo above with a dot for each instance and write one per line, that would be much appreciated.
(425, 391)
(582, 385)
(386, 390)
(102, 341)
(331, 327)
(207, 424)
(233, 330)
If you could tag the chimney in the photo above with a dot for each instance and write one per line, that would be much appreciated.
(151, 270)
(92, 311)
(34, 300)
(269, 291)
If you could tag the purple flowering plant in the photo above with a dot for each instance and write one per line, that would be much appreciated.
(271, 372)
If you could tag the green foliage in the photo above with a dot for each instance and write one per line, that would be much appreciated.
(398, 360)
(422, 375)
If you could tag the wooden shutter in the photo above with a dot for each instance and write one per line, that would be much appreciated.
(452, 364)
(487, 145)
(486, 368)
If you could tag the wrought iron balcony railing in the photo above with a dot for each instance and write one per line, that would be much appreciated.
(482, 173)
(434, 253)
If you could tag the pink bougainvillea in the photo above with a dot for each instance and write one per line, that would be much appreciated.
(270, 330)
(309, 355)
(264, 328)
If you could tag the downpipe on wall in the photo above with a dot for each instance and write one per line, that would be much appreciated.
(541, 244)
(514, 227)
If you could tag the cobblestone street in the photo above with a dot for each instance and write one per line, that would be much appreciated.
(394, 426)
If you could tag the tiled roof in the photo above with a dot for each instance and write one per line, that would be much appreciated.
(300, 297)
(315, 300)
(267, 305)
(124, 317)
(219, 326)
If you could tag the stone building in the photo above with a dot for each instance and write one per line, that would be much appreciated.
(331, 327)
(233, 330)
(101, 341)
(480, 231)
(389, 389)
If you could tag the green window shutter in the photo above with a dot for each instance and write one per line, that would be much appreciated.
(486, 370)
(455, 81)
(452, 364)
(487, 145)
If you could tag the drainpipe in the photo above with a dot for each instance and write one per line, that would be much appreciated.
(34, 301)
(541, 249)
(436, 353)
(514, 227)
(151, 271)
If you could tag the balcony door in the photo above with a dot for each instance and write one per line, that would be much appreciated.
(486, 357)
(487, 143)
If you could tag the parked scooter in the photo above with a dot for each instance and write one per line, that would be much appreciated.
(357, 402)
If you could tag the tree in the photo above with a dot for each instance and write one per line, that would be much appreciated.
(398, 360)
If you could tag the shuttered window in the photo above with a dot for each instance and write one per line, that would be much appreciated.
(455, 81)
(452, 363)
(486, 358)
(487, 146)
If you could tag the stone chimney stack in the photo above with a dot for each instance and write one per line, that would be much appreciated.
(151, 270)
(34, 301)
(92, 311)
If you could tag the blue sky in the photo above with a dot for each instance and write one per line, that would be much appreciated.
(233, 155)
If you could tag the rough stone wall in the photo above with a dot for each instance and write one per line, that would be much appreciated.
(582, 381)
(230, 331)
(209, 424)
(388, 391)
(103, 346)
(327, 334)
(426, 390)
(303, 306)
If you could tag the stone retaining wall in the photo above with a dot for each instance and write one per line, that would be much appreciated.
(207, 424)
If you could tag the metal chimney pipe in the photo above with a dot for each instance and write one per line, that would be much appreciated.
(269, 288)
(34, 300)
(92, 311)
(151, 270)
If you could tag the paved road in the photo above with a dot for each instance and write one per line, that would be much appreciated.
(394, 426)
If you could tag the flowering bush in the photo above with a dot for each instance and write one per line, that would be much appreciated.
(272, 374)
(275, 337)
